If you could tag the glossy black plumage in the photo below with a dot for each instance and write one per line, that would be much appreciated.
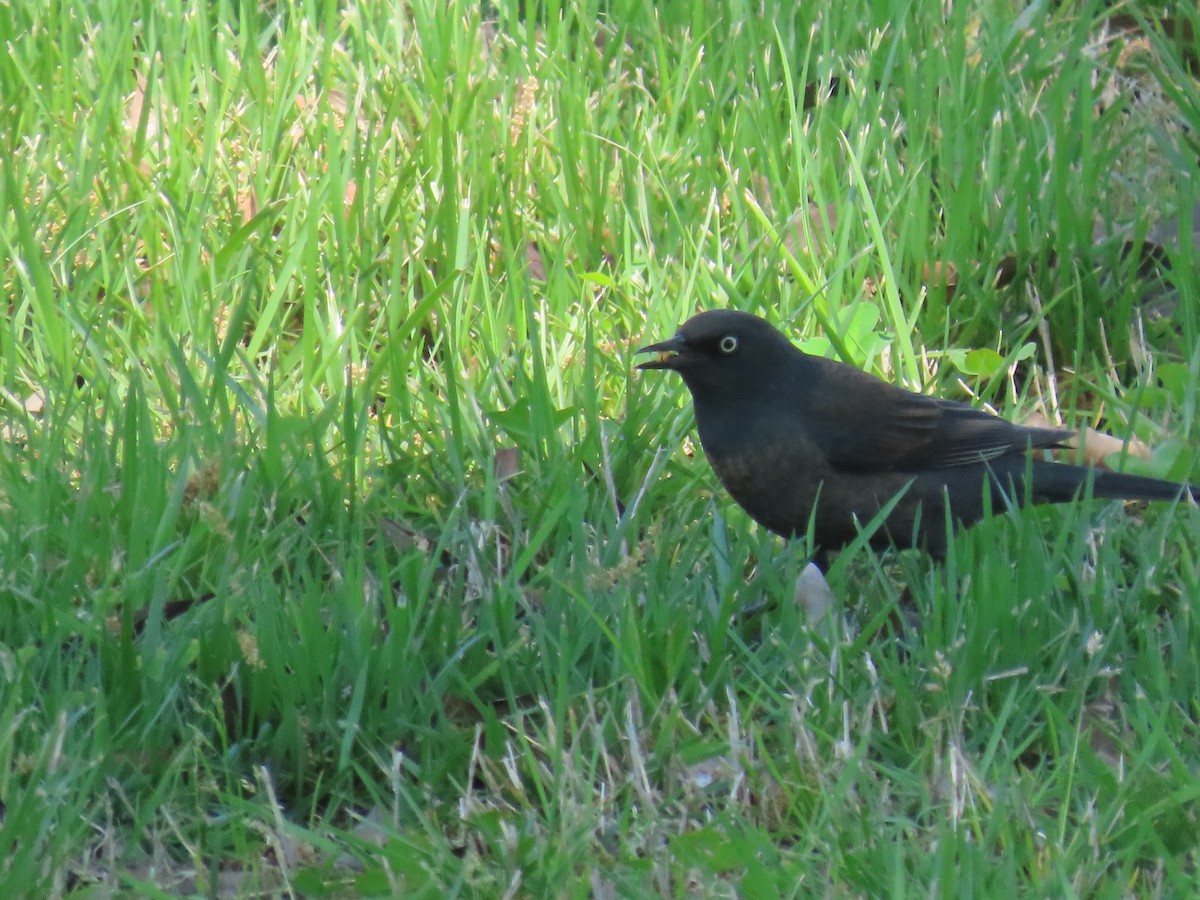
(793, 437)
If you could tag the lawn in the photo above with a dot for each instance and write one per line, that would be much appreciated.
(343, 552)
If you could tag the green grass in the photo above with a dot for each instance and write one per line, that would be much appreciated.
(290, 286)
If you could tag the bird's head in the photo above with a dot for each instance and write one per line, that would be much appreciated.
(723, 351)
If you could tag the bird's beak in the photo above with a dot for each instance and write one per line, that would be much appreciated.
(668, 354)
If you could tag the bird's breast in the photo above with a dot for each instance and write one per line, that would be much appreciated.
(775, 480)
(783, 480)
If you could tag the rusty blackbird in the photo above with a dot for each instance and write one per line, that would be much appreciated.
(795, 437)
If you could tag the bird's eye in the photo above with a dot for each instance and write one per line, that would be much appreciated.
(728, 344)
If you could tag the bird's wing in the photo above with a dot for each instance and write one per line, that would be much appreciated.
(871, 425)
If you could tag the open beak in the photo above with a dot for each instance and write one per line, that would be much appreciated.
(668, 354)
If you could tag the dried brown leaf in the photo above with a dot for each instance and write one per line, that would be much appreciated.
(940, 277)
(507, 463)
(1092, 447)
(533, 256)
(35, 403)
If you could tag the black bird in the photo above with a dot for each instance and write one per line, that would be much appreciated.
(795, 437)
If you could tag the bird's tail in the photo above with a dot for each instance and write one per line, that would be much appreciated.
(1117, 485)
(1059, 482)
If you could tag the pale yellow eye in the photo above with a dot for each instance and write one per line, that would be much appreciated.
(728, 344)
